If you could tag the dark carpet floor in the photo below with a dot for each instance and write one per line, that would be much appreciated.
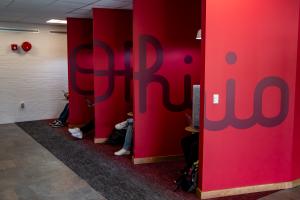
(116, 178)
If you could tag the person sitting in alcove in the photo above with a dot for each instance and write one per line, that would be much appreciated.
(63, 117)
(78, 132)
(187, 181)
(190, 143)
(190, 148)
(128, 125)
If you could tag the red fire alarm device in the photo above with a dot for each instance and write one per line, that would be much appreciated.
(26, 46)
(14, 47)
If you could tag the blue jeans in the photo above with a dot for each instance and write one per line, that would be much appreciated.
(129, 133)
(64, 114)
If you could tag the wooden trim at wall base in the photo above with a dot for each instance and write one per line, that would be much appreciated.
(156, 159)
(198, 193)
(100, 140)
(247, 189)
(296, 182)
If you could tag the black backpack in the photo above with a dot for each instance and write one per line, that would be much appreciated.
(117, 137)
(188, 181)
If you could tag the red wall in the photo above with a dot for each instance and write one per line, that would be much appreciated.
(296, 140)
(113, 68)
(165, 54)
(202, 93)
(250, 60)
(80, 61)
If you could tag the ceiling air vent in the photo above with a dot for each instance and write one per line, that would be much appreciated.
(28, 30)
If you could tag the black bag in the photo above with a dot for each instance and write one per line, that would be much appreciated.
(117, 137)
(188, 181)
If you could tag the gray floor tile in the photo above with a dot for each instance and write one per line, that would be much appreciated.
(29, 172)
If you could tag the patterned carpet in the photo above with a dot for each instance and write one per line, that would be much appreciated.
(116, 178)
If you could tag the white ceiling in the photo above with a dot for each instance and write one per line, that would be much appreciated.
(39, 11)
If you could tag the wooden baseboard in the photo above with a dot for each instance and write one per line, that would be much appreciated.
(247, 189)
(100, 140)
(156, 159)
(296, 182)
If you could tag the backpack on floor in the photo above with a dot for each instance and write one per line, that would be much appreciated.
(117, 137)
(188, 181)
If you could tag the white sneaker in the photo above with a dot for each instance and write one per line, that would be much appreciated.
(73, 130)
(122, 152)
(78, 135)
(121, 125)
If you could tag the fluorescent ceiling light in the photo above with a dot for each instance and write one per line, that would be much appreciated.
(199, 35)
(57, 21)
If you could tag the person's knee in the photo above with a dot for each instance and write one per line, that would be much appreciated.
(130, 120)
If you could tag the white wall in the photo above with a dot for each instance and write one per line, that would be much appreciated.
(37, 77)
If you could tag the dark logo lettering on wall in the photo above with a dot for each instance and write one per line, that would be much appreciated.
(110, 73)
(230, 119)
(146, 75)
(74, 67)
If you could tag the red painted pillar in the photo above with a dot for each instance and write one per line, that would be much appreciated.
(250, 62)
(113, 68)
(80, 61)
(166, 64)
(296, 137)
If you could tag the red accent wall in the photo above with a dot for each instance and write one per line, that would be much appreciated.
(113, 68)
(296, 140)
(202, 93)
(80, 61)
(250, 61)
(165, 54)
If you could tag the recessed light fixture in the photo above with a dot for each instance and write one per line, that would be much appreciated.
(199, 35)
(57, 21)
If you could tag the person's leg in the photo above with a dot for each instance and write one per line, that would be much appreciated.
(64, 114)
(88, 127)
(189, 146)
(185, 143)
(121, 125)
(62, 117)
(128, 140)
(193, 157)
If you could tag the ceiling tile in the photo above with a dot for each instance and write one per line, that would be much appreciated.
(29, 3)
(12, 14)
(4, 3)
(78, 15)
(109, 4)
(38, 11)
(129, 7)
(80, 1)
(10, 18)
(82, 11)
(64, 6)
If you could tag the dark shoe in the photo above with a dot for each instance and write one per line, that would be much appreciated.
(58, 124)
(53, 122)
